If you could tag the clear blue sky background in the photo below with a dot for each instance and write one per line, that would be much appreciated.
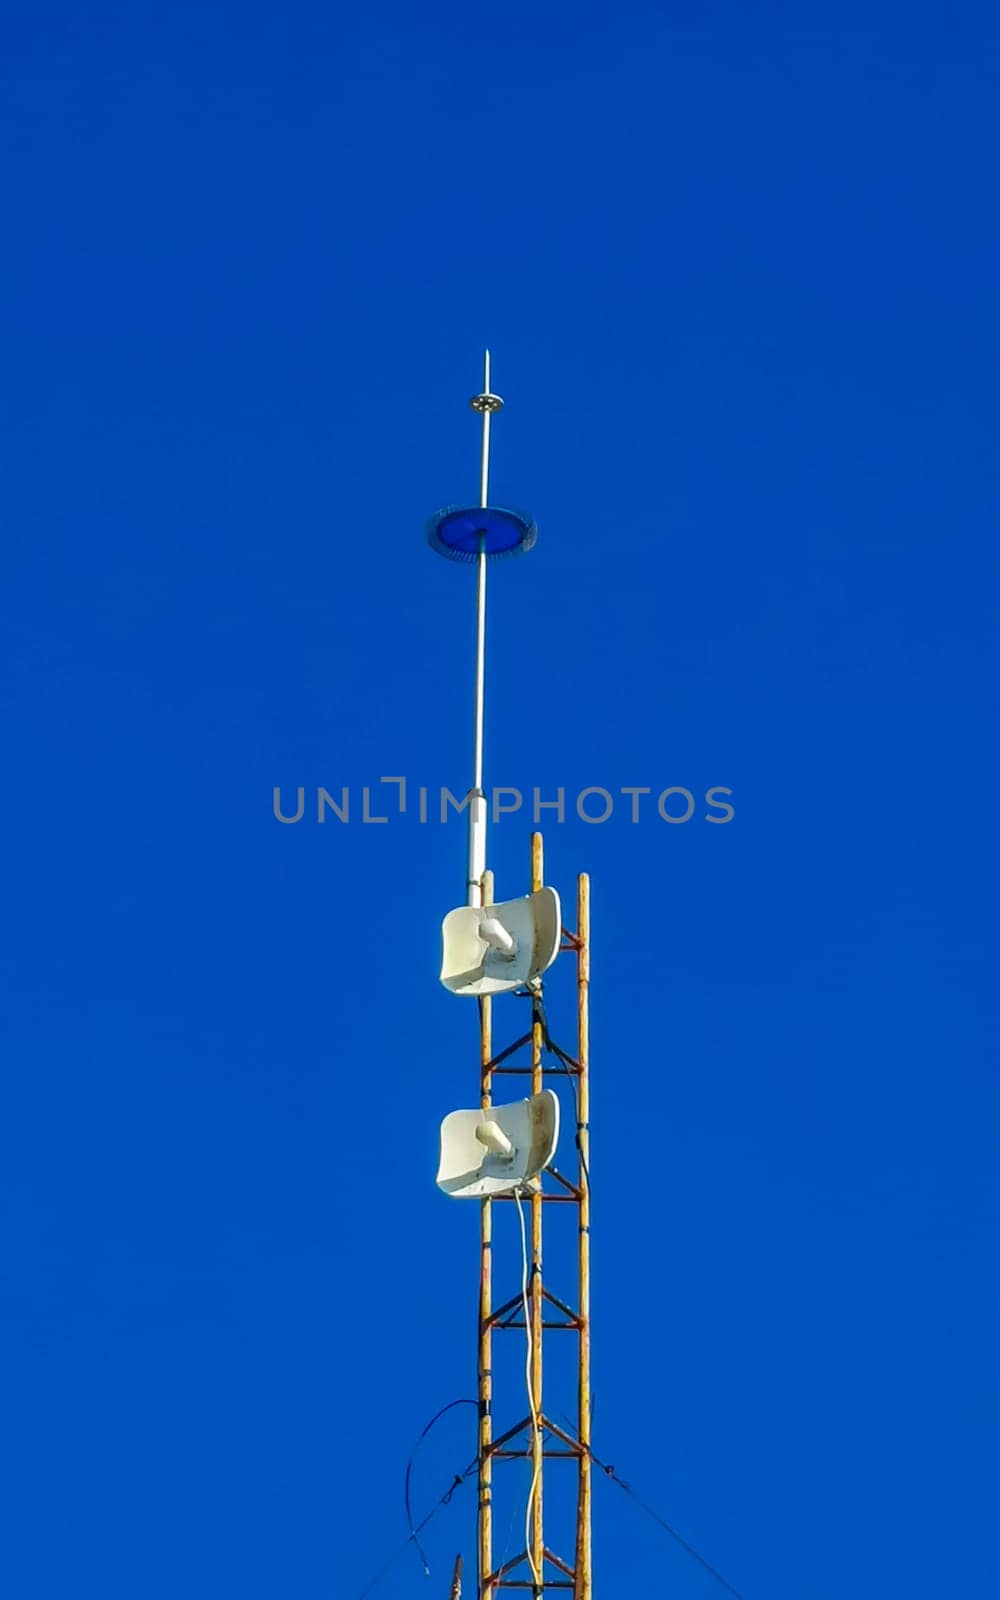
(739, 272)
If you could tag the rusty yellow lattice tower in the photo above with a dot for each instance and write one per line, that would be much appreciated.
(539, 1569)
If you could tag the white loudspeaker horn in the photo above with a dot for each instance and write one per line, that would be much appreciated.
(490, 949)
(497, 1150)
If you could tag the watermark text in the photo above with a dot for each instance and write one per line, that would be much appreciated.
(393, 797)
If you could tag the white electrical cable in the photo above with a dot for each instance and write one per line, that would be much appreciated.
(535, 1428)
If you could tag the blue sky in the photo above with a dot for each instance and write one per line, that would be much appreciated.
(738, 271)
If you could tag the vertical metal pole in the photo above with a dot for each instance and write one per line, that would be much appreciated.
(477, 797)
(583, 1547)
(484, 464)
(485, 1378)
(456, 1582)
(537, 1308)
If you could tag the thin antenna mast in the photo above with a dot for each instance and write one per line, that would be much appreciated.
(485, 403)
(480, 534)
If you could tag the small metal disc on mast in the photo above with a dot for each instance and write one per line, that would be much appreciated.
(486, 402)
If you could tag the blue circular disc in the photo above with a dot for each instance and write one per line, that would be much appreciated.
(459, 532)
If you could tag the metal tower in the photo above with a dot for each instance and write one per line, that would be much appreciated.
(538, 1568)
(506, 1154)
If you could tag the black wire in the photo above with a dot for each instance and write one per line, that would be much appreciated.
(384, 1570)
(610, 1472)
(409, 1469)
(579, 1145)
(665, 1525)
